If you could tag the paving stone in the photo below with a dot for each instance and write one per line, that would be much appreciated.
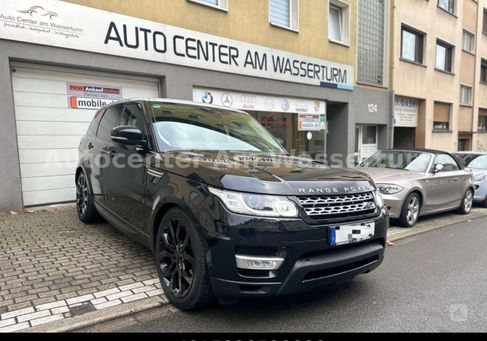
(119, 295)
(28, 317)
(108, 304)
(48, 319)
(107, 292)
(134, 298)
(16, 313)
(52, 305)
(15, 328)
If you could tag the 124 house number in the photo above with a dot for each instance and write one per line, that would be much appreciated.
(373, 108)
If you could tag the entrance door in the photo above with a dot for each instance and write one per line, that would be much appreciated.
(368, 137)
(404, 138)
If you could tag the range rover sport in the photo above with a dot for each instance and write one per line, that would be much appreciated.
(225, 209)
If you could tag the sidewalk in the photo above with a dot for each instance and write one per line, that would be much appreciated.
(57, 274)
(53, 267)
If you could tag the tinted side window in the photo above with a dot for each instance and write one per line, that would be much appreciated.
(449, 164)
(95, 122)
(108, 122)
(133, 115)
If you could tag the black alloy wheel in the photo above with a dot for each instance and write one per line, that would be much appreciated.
(176, 260)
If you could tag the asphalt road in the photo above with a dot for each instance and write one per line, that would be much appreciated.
(432, 282)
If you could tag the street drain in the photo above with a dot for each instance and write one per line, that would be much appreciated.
(82, 309)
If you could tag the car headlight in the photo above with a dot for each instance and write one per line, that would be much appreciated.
(389, 188)
(379, 201)
(479, 178)
(257, 204)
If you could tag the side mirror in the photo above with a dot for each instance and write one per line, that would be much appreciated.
(437, 168)
(128, 135)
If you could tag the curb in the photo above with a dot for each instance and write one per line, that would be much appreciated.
(439, 222)
(97, 317)
(105, 315)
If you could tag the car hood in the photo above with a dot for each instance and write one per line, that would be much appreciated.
(391, 176)
(267, 174)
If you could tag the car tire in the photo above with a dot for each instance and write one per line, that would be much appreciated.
(181, 263)
(484, 203)
(85, 206)
(467, 202)
(410, 211)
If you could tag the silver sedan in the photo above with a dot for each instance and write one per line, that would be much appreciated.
(414, 183)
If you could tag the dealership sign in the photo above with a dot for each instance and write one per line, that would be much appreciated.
(91, 96)
(406, 112)
(66, 25)
(258, 102)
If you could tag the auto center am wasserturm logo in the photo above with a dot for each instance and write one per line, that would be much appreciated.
(39, 11)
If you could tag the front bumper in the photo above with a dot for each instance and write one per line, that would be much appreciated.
(480, 191)
(394, 204)
(309, 260)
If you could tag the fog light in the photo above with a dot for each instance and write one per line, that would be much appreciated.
(258, 263)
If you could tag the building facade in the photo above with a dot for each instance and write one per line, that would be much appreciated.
(304, 69)
(439, 74)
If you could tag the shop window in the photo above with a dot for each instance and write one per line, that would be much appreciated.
(218, 4)
(444, 56)
(468, 41)
(284, 13)
(483, 71)
(447, 5)
(338, 22)
(465, 95)
(483, 120)
(412, 45)
(484, 23)
(442, 113)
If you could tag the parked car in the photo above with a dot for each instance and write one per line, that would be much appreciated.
(415, 183)
(477, 163)
(225, 209)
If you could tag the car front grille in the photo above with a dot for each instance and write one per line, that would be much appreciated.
(339, 206)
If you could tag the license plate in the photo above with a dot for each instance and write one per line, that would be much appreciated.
(349, 234)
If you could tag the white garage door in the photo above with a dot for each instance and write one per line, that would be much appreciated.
(49, 130)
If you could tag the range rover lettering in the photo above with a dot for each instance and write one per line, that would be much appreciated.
(225, 209)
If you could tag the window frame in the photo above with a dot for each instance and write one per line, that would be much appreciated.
(447, 10)
(483, 71)
(467, 87)
(294, 16)
(472, 36)
(418, 34)
(482, 130)
(448, 127)
(344, 21)
(448, 47)
(223, 5)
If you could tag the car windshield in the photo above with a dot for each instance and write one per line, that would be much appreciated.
(183, 127)
(403, 160)
(474, 161)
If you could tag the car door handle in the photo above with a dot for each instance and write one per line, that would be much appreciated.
(90, 145)
(456, 179)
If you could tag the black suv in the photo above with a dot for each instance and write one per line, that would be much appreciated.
(225, 209)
